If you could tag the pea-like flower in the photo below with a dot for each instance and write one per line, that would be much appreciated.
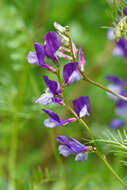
(121, 107)
(117, 123)
(53, 90)
(121, 48)
(55, 121)
(72, 146)
(70, 73)
(82, 106)
(117, 86)
(52, 44)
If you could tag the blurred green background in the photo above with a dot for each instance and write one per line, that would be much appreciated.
(29, 158)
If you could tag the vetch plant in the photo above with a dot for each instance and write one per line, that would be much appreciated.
(60, 45)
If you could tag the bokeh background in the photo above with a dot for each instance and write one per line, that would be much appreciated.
(29, 158)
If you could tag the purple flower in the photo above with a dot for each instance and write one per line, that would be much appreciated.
(70, 73)
(32, 58)
(53, 43)
(81, 59)
(47, 98)
(121, 107)
(125, 11)
(82, 106)
(115, 80)
(116, 85)
(38, 56)
(116, 123)
(53, 90)
(121, 48)
(73, 147)
(53, 86)
(110, 34)
(55, 121)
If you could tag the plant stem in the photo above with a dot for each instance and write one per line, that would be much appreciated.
(101, 86)
(60, 81)
(103, 158)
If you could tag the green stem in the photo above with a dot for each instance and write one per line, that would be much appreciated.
(60, 81)
(103, 158)
(101, 86)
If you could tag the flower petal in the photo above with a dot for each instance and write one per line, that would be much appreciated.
(66, 121)
(74, 49)
(81, 157)
(64, 150)
(81, 59)
(121, 108)
(121, 47)
(39, 48)
(57, 101)
(76, 146)
(115, 88)
(116, 123)
(62, 139)
(110, 34)
(51, 123)
(53, 43)
(40, 53)
(118, 51)
(45, 99)
(32, 58)
(125, 11)
(81, 106)
(115, 80)
(70, 73)
(53, 86)
(52, 115)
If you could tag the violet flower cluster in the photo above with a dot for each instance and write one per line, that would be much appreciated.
(119, 86)
(120, 49)
(55, 46)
